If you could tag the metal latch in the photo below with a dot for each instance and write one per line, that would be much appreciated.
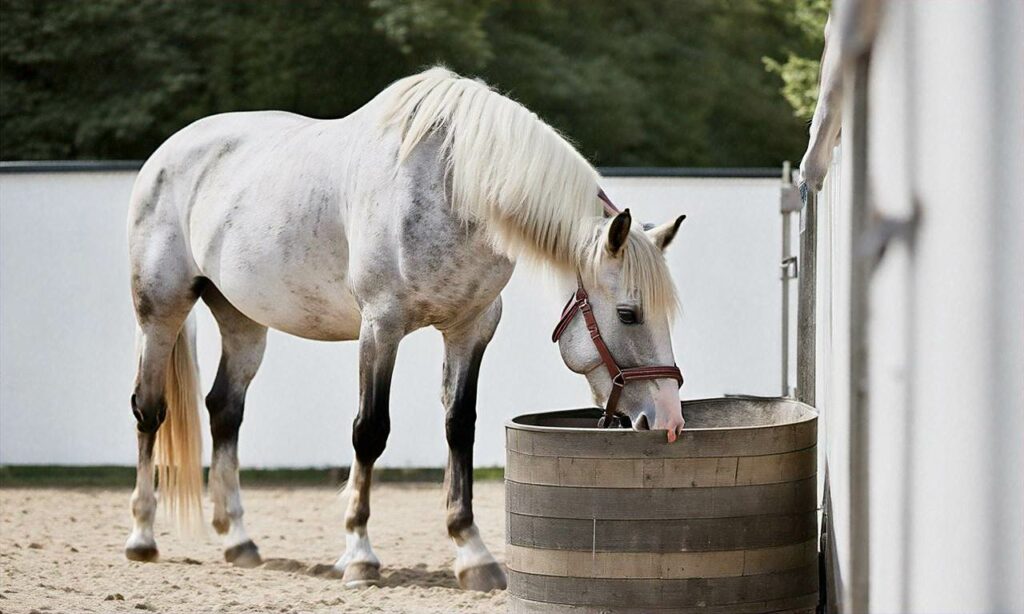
(790, 269)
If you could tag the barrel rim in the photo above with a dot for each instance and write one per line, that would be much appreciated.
(809, 414)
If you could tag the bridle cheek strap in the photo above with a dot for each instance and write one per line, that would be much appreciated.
(580, 303)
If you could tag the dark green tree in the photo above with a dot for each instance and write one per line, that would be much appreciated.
(631, 82)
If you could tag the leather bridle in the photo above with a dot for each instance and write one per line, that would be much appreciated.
(580, 303)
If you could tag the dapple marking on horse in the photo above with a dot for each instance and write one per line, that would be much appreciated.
(410, 212)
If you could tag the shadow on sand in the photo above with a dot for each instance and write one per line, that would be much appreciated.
(390, 576)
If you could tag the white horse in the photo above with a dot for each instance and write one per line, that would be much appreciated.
(408, 213)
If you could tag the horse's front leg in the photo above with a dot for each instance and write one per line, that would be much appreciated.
(475, 567)
(378, 345)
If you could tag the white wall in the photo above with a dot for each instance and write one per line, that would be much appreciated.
(947, 527)
(945, 329)
(67, 332)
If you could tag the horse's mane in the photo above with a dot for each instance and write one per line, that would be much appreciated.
(521, 179)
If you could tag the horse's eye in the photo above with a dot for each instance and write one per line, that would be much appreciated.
(627, 315)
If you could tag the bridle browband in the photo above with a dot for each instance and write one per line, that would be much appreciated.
(580, 303)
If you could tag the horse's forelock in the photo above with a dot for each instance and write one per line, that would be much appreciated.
(644, 273)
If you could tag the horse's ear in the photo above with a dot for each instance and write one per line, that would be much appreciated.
(618, 232)
(663, 235)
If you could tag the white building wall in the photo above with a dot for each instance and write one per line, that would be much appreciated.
(964, 545)
(946, 314)
(67, 329)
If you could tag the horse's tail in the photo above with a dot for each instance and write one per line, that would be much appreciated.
(179, 446)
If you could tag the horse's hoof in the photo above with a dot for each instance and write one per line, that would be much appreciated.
(142, 553)
(358, 575)
(483, 578)
(245, 554)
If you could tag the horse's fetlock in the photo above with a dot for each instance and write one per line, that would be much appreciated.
(357, 518)
(458, 521)
(221, 524)
(234, 510)
(143, 507)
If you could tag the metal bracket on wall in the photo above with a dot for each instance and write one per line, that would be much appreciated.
(790, 269)
(883, 230)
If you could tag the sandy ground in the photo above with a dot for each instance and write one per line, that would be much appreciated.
(61, 551)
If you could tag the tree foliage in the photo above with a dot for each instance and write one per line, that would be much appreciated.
(631, 82)
(799, 73)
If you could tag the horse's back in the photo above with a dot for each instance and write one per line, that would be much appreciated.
(199, 151)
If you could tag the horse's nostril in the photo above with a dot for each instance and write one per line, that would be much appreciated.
(640, 424)
(137, 413)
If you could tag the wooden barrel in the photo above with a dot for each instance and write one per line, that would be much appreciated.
(616, 520)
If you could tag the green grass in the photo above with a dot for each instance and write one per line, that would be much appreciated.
(116, 476)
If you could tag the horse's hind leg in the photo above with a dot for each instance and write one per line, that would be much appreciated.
(141, 545)
(162, 305)
(475, 567)
(242, 344)
(378, 345)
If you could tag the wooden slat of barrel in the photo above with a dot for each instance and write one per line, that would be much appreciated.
(653, 503)
(583, 443)
(784, 467)
(709, 564)
(701, 472)
(645, 593)
(803, 604)
(672, 535)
